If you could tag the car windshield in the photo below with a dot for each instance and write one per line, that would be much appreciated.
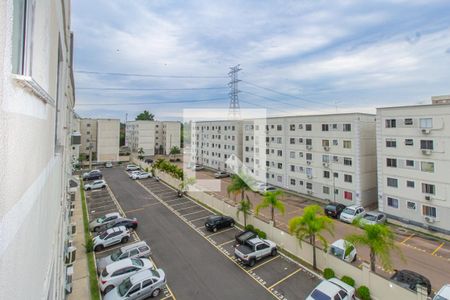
(370, 217)
(319, 295)
(137, 262)
(124, 287)
(155, 273)
(349, 211)
(438, 297)
(115, 256)
(330, 207)
(103, 235)
(100, 220)
(338, 252)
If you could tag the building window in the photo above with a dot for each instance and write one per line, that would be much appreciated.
(292, 181)
(326, 158)
(348, 178)
(336, 143)
(309, 156)
(411, 205)
(347, 127)
(280, 152)
(292, 168)
(391, 143)
(309, 142)
(326, 174)
(392, 182)
(347, 144)
(429, 211)
(409, 142)
(426, 144)
(308, 127)
(324, 127)
(427, 166)
(336, 175)
(326, 190)
(409, 121)
(292, 127)
(410, 163)
(88, 125)
(279, 140)
(300, 154)
(22, 44)
(347, 161)
(279, 127)
(428, 188)
(426, 123)
(292, 154)
(280, 166)
(300, 140)
(392, 202)
(410, 184)
(325, 143)
(348, 195)
(391, 162)
(309, 185)
(391, 123)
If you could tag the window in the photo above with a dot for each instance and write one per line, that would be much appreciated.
(392, 182)
(292, 141)
(326, 158)
(391, 143)
(309, 185)
(347, 161)
(411, 205)
(426, 123)
(347, 127)
(280, 152)
(279, 178)
(410, 184)
(429, 211)
(326, 174)
(324, 127)
(308, 156)
(391, 123)
(348, 178)
(308, 127)
(279, 140)
(22, 43)
(335, 143)
(280, 166)
(410, 163)
(391, 162)
(292, 168)
(348, 195)
(292, 127)
(427, 166)
(409, 142)
(292, 154)
(279, 127)
(336, 175)
(326, 190)
(347, 144)
(300, 126)
(308, 142)
(300, 154)
(409, 121)
(428, 188)
(392, 202)
(426, 144)
(292, 181)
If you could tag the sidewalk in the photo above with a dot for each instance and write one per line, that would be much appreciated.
(80, 279)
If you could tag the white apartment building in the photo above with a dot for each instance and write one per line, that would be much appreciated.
(329, 157)
(36, 111)
(154, 137)
(103, 135)
(413, 146)
(213, 142)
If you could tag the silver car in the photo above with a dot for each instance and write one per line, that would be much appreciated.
(98, 184)
(99, 223)
(144, 284)
(372, 218)
(111, 237)
(137, 250)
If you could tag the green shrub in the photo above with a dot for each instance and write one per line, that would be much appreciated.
(146, 169)
(328, 273)
(363, 293)
(262, 234)
(250, 227)
(89, 245)
(348, 280)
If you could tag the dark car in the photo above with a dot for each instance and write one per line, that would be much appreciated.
(410, 280)
(214, 223)
(334, 209)
(244, 236)
(149, 161)
(93, 176)
(128, 223)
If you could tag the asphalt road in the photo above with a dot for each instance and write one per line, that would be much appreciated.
(195, 270)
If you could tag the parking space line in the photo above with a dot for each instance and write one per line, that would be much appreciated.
(408, 238)
(437, 249)
(222, 231)
(226, 242)
(286, 277)
(265, 262)
(180, 203)
(198, 219)
(193, 213)
(108, 249)
(172, 200)
(187, 207)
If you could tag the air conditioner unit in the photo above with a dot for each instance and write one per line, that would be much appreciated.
(69, 274)
(430, 219)
(426, 151)
(426, 131)
(428, 198)
(308, 162)
(310, 192)
(73, 228)
(308, 147)
(326, 148)
(325, 164)
(70, 255)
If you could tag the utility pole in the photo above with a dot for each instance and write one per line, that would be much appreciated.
(234, 111)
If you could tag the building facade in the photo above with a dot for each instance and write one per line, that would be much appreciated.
(413, 146)
(36, 111)
(153, 137)
(102, 136)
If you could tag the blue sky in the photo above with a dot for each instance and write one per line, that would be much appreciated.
(297, 57)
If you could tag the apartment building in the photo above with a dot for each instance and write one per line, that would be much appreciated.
(36, 112)
(213, 142)
(413, 146)
(329, 157)
(103, 136)
(153, 137)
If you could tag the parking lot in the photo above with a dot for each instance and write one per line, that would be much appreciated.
(207, 257)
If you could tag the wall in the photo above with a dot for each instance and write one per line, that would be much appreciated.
(108, 135)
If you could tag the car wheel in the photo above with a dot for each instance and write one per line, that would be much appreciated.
(96, 229)
(124, 240)
(251, 262)
(109, 288)
(103, 186)
(99, 248)
(354, 258)
(215, 229)
(88, 189)
(273, 252)
(155, 293)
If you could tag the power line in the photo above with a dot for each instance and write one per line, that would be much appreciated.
(264, 106)
(273, 100)
(148, 89)
(146, 75)
(158, 102)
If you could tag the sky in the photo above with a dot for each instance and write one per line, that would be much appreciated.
(296, 57)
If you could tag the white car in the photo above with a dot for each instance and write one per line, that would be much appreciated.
(132, 168)
(98, 184)
(141, 175)
(130, 174)
(443, 294)
(343, 250)
(266, 188)
(332, 289)
(197, 167)
(350, 213)
(99, 223)
(108, 164)
(111, 237)
(118, 271)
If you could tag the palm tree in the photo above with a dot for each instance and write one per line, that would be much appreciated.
(141, 153)
(244, 207)
(310, 225)
(271, 199)
(380, 240)
(185, 183)
(240, 183)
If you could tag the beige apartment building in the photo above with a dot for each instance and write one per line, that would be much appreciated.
(103, 136)
(413, 146)
(153, 137)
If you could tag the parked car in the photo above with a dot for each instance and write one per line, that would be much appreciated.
(111, 237)
(117, 272)
(108, 164)
(343, 250)
(143, 284)
(86, 174)
(267, 188)
(221, 174)
(332, 289)
(443, 294)
(244, 236)
(140, 175)
(214, 223)
(351, 213)
(98, 184)
(131, 173)
(334, 209)
(98, 223)
(410, 280)
(93, 176)
(132, 168)
(148, 160)
(255, 249)
(127, 222)
(135, 250)
(372, 218)
(197, 167)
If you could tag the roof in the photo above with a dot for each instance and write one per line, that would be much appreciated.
(112, 214)
(414, 106)
(134, 245)
(119, 264)
(445, 291)
(339, 244)
(141, 275)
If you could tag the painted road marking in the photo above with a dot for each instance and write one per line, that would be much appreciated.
(173, 205)
(283, 279)
(226, 243)
(198, 219)
(195, 205)
(437, 249)
(408, 238)
(192, 213)
(222, 231)
(267, 261)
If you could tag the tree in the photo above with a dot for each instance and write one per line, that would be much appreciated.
(310, 225)
(380, 240)
(145, 116)
(186, 182)
(240, 183)
(174, 150)
(141, 153)
(271, 199)
(122, 134)
(244, 207)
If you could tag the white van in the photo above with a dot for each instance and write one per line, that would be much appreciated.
(343, 250)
